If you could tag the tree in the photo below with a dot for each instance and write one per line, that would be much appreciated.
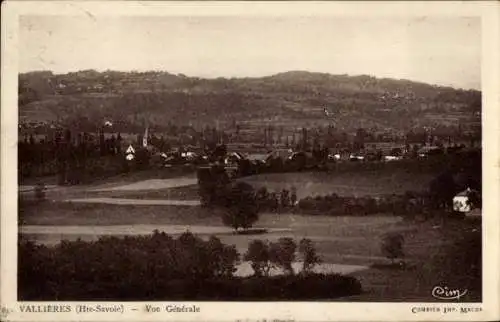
(442, 189)
(285, 198)
(392, 246)
(258, 255)
(293, 197)
(222, 257)
(282, 254)
(212, 184)
(262, 198)
(309, 255)
(241, 210)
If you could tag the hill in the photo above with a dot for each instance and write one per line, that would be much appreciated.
(292, 99)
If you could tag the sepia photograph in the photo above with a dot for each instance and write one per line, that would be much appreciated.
(194, 158)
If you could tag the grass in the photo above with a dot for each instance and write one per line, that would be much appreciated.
(333, 236)
(447, 256)
(67, 213)
(344, 184)
(179, 193)
(366, 183)
(124, 178)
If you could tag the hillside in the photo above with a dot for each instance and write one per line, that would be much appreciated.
(293, 99)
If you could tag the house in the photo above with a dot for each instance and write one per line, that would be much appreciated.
(466, 201)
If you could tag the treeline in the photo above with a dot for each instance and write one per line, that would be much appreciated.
(63, 154)
(76, 158)
(318, 160)
(160, 267)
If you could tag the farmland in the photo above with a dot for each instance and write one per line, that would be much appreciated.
(339, 240)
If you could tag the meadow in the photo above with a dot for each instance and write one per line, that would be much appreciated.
(357, 184)
(354, 184)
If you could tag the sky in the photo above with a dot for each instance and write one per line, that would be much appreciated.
(443, 51)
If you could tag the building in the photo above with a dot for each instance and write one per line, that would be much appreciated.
(466, 201)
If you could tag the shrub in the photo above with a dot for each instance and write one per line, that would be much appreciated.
(310, 257)
(282, 254)
(392, 246)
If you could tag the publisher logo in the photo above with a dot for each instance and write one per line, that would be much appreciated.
(446, 293)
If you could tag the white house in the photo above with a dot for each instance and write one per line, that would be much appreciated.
(464, 201)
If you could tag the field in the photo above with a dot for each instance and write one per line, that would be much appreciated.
(348, 244)
(182, 185)
(356, 184)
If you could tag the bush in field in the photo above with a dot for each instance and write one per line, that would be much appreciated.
(258, 256)
(241, 210)
(282, 254)
(392, 246)
(309, 255)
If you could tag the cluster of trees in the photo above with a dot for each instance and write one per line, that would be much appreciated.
(264, 256)
(436, 160)
(158, 266)
(276, 201)
(64, 154)
(334, 205)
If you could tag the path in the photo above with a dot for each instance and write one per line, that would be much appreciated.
(136, 202)
(131, 230)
